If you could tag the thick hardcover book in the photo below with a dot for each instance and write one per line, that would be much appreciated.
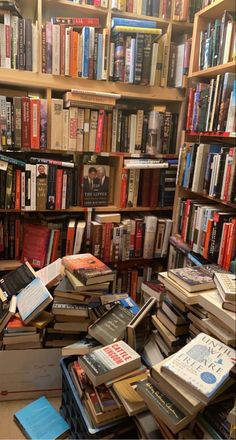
(95, 185)
(87, 268)
(193, 279)
(32, 300)
(203, 366)
(112, 325)
(110, 362)
(39, 419)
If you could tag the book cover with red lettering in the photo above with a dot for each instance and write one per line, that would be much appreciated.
(109, 362)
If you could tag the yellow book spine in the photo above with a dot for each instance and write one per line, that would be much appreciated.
(137, 30)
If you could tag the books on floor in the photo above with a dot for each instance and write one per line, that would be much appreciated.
(88, 269)
(32, 299)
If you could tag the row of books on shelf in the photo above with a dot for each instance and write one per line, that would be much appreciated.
(208, 230)
(182, 11)
(211, 106)
(209, 169)
(217, 42)
(24, 125)
(139, 59)
(112, 237)
(151, 348)
(100, 3)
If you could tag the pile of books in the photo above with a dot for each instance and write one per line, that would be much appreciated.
(18, 38)
(211, 106)
(210, 169)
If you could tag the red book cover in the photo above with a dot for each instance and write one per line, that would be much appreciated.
(70, 237)
(35, 244)
(97, 3)
(208, 237)
(98, 145)
(54, 253)
(189, 125)
(107, 242)
(231, 245)
(129, 6)
(224, 240)
(139, 235)
(17, 238)
(133, 285)
(124, 183)
(105, 133)
(18, 189)
(35, 123)
(59, 177)
(154, 188)
(62, 49)
(25, 122)
(86, 267)
(77, 21)
(7, 40)
(185, 220)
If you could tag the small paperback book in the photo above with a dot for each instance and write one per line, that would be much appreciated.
(88, 269)
(202, 366)
(193, 279)
(32, 300)
(40, 420)
(110, 362)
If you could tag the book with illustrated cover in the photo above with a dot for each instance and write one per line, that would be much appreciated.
(95, 185)
(39, 419)
(202, 366)
(226, 285)
(32, 300)
(112, 325)
(87, 268)
(109, 362)
(193, 279)
(162, 406)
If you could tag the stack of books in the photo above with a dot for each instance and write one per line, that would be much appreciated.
(211, 106)
(180, 386)
(18, 38)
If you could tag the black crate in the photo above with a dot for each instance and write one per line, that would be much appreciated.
(75, 413)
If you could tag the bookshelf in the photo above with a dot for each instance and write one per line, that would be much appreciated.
(222, 138)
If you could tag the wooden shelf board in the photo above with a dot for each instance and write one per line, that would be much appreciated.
(160, 21)
(6, 265)
(206, 196)
(74, 209)
(216, 70)
(85, 8)
(40, 81)
(216, 9)
(220, 134)
(33, 152)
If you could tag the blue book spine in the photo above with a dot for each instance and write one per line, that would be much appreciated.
(85, 64)
(99, 57)
(187, 168)
(132, 23)
(195, 110)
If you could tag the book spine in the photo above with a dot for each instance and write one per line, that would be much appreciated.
(139, 235)
(138, 62)
(59, 177)
(17, 122)
(98, 145)
(21, 41)
(147, 49)
(48, 47)
(105, 34)
(28, 44)
(56, 49)
(25, 122)
(43, 124)
(18, 190)
(35, 123)
(44, 49)
(85, 56)
(51, 193)
(80, 130)
(73, 125)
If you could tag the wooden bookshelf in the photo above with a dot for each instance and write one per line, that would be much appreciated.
(216, 70)
(216, 8)
(206, 196)
(74, 209)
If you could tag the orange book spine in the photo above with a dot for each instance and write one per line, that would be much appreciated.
(98, 145)
(208, 237)
(223, 242)
(70, 240)
(55, 245)
(71, 50)
(18, 189)
(35, 123)
(231, 245)
(59, 178)
(75, 45)
(133, 285)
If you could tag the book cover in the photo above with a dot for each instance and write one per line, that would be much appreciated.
(192, 279)
(206, 363)
(35, 245)
(32, 299)
(95, 185)
(39, 419)
(87, 268)
(15, 280)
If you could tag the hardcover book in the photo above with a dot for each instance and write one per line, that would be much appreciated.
(193, 279)
(112, 325)
(95, 185)
(15, 280)
(110, 362)
(87, 268)
(39, 419)
(202, 366)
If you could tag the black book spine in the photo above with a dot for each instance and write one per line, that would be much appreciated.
(119, 57)
(138, 59)
(6, 238)
(118, 142)
(217, 109)
(28, 44)
(155, 8)
(51, 195)
(21, 41)
(27, 187)
(146, 59)
(217, 191)
(144, 134)
(233, 192)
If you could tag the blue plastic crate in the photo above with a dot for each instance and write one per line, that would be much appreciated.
(77, 417)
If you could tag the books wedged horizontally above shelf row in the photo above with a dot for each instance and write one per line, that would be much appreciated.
(217, 42)
(211, 107)
(110, 237)
(209, 169)
(208, 230)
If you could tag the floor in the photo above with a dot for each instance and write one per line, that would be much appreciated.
(8, 428)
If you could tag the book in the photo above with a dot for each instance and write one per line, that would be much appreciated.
(126, 391)
(139, 325)
(6, 314)
(162, 406)
(14, 281)
(88, 269)
(109, 362)
(214, 304)
(112, 325)
(95, 185)
(83, 346)
(226, 284)
(193, 279)
(39, 419)
(213, 361)
(32, 300)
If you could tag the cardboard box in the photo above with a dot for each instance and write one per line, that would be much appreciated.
(28, 374)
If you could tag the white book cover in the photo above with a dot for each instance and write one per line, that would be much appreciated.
(198, 179)
(67, 51)
(80, 130)
(93, 129)
(179, 65)
(150, 234)
(80, 228)
(73, 125)
(133, 124)
(65, 140)
(56, 49)
(33, 188)
(132, 55)
(2, 46)
(14, 36)
(213, 173)
(64, 189)
(153, 64)
(168, 229)
(213, 304)
(203, 364)
(111, 59)
(7, 25)
(31, 297)
(56, 123)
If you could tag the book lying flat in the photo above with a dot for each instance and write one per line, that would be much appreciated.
(32, 300)
(88, 269)
(40, 420)
(83, 346)
(226, 284)
(193, 279)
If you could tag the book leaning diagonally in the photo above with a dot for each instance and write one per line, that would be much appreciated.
(202, 366)
(32, 300)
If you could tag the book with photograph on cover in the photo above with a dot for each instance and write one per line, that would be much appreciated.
(95, 185)
(193, 279)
